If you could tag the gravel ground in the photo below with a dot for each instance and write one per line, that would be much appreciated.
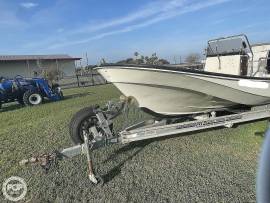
(210, 166)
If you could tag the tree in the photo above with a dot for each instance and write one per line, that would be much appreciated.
(163, 62)
(152, 60)
(130, 61)
(52, 74)
(136, 54)
(193, 58)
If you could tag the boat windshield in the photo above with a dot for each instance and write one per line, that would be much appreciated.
(229, 46)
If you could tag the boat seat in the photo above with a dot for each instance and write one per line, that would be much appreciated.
(230, 64)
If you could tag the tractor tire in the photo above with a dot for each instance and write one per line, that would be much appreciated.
(32, 98)
(82, 120)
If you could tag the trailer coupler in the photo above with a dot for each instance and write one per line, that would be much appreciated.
(47, 160)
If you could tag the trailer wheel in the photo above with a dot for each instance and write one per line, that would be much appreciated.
(31, 98)
(82, 120)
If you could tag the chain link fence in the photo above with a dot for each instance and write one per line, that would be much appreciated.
(83, 80)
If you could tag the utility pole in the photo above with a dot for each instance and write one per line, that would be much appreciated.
(86, 58)
(174, 59)
(81, 71)
(92, 77)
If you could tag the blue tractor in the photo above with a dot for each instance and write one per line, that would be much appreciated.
(28, 92)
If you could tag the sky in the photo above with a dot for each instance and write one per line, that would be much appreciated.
(115, 29)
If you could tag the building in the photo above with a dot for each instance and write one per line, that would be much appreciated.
(261, 56)
(261, 51)
(31, 65)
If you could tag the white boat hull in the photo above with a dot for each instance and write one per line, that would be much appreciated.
(170, 92)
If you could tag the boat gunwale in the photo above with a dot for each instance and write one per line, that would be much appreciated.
(172, 69)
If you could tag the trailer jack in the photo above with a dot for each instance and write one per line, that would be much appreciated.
(46, 161)
(91, 175)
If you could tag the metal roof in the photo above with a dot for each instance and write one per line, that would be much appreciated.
(260, 44)
(36, 57)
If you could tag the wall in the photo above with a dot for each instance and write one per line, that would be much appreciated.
(12, 68)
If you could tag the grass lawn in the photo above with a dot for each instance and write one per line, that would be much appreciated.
(211, 166)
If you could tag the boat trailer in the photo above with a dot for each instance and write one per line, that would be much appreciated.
(100, 133)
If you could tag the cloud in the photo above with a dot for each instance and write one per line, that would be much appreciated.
(147, 11)
(28, 5)
(9, 19)
(154, 15)
(148, 15)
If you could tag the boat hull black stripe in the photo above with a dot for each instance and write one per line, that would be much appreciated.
(181, 71)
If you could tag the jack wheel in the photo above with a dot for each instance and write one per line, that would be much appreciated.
(100, 181)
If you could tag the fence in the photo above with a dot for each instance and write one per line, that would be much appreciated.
(82, 81)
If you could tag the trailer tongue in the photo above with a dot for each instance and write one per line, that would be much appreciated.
(93, 130)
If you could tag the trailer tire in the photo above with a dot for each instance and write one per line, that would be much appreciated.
(83, 120)
(85, 116)
(31, 98)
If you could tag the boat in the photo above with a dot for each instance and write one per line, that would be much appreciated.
(230, 78)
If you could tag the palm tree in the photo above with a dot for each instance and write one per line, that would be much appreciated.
(136, 54)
